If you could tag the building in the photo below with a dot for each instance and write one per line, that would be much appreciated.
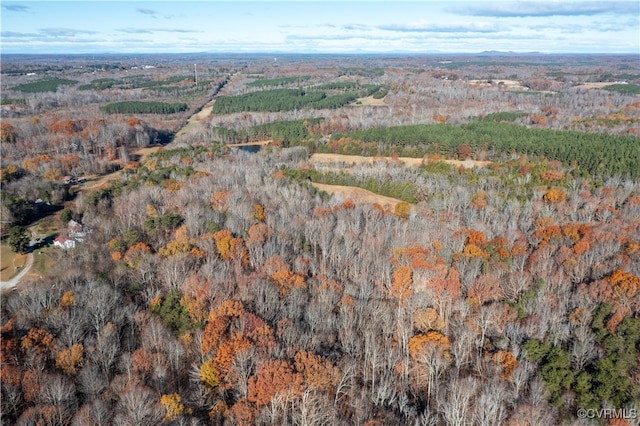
(64, 242)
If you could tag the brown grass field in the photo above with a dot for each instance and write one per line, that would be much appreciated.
(9, 261)
(358, 195)
(411, 162)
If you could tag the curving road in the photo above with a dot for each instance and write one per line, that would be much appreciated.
(9, 285)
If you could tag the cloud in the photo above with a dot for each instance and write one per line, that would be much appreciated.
(14, 34)
(16, 7)
(356, 27)
(149, 12)
(135, 30)
(63, 32)
(131, 30)
(546, 9)
(439, 28)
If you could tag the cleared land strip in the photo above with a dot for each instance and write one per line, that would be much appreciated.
(358, 195)
(413, 162)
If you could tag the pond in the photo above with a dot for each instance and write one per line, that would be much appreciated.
(252, 149)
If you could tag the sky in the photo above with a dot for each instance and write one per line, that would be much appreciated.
(561, 26)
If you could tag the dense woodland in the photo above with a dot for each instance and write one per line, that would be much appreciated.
(219, 286)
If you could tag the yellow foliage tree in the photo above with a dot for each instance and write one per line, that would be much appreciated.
(223, 243)
(175, 247)
(68, 299)
(259, 213)
(196, 308)
(472, 251)
(53, 174)
(68, 359)
(402, 210)
(172, 403)
(208, 374)
(218, 412)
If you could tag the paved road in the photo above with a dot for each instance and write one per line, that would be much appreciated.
(9, 285)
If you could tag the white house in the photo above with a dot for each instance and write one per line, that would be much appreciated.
(64, 242)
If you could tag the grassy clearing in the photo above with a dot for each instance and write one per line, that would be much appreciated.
(44, 260)
(10, 262)
(358, 195)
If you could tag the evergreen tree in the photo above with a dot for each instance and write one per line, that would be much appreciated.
(19, 239)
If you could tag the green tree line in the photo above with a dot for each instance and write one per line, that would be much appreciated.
(277, 81)
(48, 85)
(277, 100)
(288, 132)
(627, 89)
(133, 82)
(596, 153)
(138, 107)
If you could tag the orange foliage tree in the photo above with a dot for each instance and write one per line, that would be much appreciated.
(37, 339)
(554, 196)
(8, 133)
(285, 281)
(317, 372)
(432, 340)
(486, 288)
(401, 287)
(274, 377)
(507, 362)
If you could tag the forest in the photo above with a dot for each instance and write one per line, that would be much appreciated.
(490, 276)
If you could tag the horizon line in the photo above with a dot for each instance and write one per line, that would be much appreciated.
(484, 52)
